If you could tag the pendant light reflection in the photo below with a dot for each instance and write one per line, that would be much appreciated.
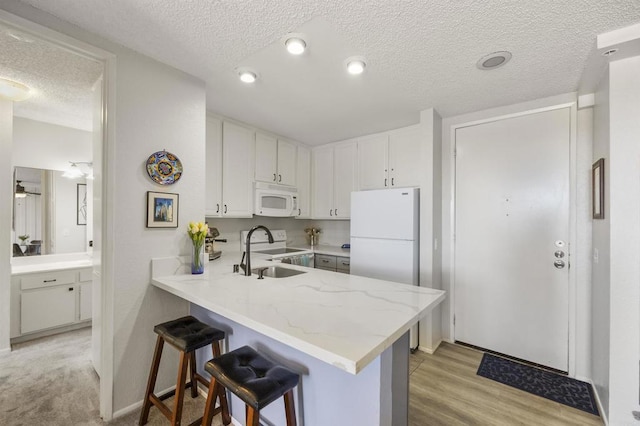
(74, 172)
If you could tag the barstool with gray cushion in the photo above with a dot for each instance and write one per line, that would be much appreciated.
(186, 334)
(254, 379)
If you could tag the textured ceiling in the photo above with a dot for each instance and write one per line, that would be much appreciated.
(420, 54)
(60, 81)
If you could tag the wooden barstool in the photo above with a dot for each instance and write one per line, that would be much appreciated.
(254, 379)
(186, 334)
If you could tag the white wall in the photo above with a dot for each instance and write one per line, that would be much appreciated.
(430, 328)
(69, 237)
(157, 107)
(582, 254)
(600, 301)
(581, 267)
(6, 193)
(48, 146)
(624, 205)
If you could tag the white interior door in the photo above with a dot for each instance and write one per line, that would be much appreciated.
(511, 221)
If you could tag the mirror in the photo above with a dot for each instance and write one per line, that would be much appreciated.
(50, 213)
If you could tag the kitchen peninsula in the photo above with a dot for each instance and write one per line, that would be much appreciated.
(347, 336)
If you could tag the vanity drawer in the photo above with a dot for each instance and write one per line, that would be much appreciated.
(343, 264)
(325, 262)
(47, 279)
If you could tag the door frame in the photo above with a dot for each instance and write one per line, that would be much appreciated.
(572, 310)
(105, 265)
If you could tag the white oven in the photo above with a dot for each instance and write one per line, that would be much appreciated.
(275, 200)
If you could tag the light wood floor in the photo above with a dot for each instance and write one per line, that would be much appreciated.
(445, 390)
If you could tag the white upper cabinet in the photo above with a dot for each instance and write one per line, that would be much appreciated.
(275, 160)
(266, 158)
(373, 162)
(334, 178)
(286, 162)
(237, 170)
(404, 157)
(303, 178)
(390, 159)
(213, 171)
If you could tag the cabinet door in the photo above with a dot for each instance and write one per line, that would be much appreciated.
(372, 162)
(286, 163)
(47, 307)
(237, 170)
(303, 174)
(404, 157)
(85, 300)
(322, 183)
(213, 169)
(266, 158)
(344, 177)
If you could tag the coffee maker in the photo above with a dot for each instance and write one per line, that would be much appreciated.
(208, 244)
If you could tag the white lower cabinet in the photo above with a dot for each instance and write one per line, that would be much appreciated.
(47, 307)
(48, 300)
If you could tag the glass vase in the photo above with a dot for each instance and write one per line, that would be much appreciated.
(197, 259)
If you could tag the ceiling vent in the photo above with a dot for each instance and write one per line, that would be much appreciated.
(493, 60)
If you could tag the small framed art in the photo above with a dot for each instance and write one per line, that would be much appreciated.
(162, 210)
(597, 189)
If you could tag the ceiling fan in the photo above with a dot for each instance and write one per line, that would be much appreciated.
(21, 192)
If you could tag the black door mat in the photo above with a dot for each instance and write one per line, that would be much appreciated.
(561, 389)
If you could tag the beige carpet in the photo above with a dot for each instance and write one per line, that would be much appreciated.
(51, 381)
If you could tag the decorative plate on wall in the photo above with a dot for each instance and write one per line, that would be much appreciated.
(164, 168)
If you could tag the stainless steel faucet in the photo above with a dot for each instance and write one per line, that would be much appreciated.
(247, 252)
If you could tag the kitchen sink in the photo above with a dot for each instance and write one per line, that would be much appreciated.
(277, 272)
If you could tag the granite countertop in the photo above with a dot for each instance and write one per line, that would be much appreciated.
(344, 320)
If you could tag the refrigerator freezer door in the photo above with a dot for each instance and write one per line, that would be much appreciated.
(390, 260)
(385, 214)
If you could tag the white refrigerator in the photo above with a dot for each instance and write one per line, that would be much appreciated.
(385, 237)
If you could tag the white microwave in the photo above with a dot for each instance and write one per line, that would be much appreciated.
(275, 200)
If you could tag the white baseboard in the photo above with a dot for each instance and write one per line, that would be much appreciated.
(5, 350)
(603, 415)
(137, 405)
(430, 351)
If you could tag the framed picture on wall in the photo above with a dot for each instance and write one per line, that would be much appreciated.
(597, 189)
(81, 203)
(162, 210)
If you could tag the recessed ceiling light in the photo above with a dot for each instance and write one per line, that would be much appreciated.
(295, 45)
(493, 60)
(247, 76)
(356, 66)
(13, 91)
(610, 52)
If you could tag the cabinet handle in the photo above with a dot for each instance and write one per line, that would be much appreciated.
(385, 182)
(279, 178)
(335, 212)
(325, 261)
(50, 281)
(274, 177)
(225, 208)
(218, 208)
(70, 288)
(299, 212)
(392, 184)
(331, 212)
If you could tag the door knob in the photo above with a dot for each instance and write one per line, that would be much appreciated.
(559, 254)
(559, 264)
